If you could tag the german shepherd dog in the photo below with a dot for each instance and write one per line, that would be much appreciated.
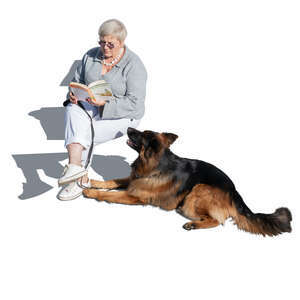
(197, 190)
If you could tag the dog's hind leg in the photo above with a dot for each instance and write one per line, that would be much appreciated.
(205, 206)
(204, 222)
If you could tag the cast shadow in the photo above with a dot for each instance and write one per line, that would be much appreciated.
(52, 122)
(108, 167)
(52, 118)
(68, 78)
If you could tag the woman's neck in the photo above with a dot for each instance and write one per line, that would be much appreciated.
(116, 57)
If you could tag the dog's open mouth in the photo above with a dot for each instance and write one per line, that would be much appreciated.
(131, 143)
(134, 139)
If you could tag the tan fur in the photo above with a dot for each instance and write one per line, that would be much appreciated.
(113, 197)
(205, 205)
(149, 191)
(110, 184)
(206, 200)
(156, 191)
(254, 225)
(203, 223)
(147, 165)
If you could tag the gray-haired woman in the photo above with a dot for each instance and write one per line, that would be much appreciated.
(126, 74)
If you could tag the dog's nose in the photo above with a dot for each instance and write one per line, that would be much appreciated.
(130, 130)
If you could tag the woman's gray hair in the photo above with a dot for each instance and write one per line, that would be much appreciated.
(113, 27)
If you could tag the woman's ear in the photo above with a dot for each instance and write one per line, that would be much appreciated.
(122, 43)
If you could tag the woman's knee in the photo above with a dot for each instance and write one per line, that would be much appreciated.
(76, 119)
(74, 110)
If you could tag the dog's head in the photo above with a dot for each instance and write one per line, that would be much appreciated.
(149, 143)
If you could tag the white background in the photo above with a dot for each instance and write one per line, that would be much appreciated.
(224, 76)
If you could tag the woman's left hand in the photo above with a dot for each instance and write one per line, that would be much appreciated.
(96, 102)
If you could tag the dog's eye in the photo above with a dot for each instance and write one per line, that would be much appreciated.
(151, 146)
(154, 144)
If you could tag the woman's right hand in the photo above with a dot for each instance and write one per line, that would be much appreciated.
(73, 99)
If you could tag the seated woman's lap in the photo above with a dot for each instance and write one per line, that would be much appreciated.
(106, 130)
(78, 127)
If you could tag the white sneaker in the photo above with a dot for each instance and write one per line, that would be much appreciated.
(72, 191)
(71, 173)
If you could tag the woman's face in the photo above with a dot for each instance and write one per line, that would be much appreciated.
(110, 46)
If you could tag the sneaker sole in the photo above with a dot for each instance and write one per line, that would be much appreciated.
(72, 178)
(69, 197)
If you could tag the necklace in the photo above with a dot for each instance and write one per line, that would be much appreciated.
(114, 60)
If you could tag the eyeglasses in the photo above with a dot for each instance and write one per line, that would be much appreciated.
(108, 44)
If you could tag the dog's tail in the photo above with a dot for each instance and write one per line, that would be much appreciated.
(265, 224)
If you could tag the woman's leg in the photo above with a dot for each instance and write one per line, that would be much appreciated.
(78, 140)
(75, 153)
(78, 124)
(106, 130)
(77, 129)
(78, 132)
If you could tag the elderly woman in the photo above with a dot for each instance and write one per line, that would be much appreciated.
(126, 74)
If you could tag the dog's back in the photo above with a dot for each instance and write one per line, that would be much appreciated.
(196, 189)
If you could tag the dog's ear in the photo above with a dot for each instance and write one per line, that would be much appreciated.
(169, 138)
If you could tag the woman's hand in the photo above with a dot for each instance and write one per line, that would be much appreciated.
(73, 99)
(98, 102)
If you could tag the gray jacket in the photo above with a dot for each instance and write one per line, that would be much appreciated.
(127, 80)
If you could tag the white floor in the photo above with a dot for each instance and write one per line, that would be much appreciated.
(224, 76)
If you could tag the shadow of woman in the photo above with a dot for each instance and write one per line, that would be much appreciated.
(108, 167)
(52, 122)
(52, 118)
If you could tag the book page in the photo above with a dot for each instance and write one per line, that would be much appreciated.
(97, 82)
(101, 91)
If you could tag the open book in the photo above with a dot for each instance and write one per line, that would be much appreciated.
(95, 90)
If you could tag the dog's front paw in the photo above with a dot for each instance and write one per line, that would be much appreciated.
(98, 184)
(90, 193)
(189, 226)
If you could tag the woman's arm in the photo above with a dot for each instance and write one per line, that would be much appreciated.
(132, 103)
(79, 73)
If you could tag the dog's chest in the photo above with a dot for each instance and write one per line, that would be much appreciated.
(157, 191)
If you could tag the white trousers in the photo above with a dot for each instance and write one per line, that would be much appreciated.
(78, 127)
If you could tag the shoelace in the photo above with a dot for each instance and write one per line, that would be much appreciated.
(81, 185)
(65, 170)
(84, 185)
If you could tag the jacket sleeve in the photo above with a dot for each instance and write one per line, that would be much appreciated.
(134, 99)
